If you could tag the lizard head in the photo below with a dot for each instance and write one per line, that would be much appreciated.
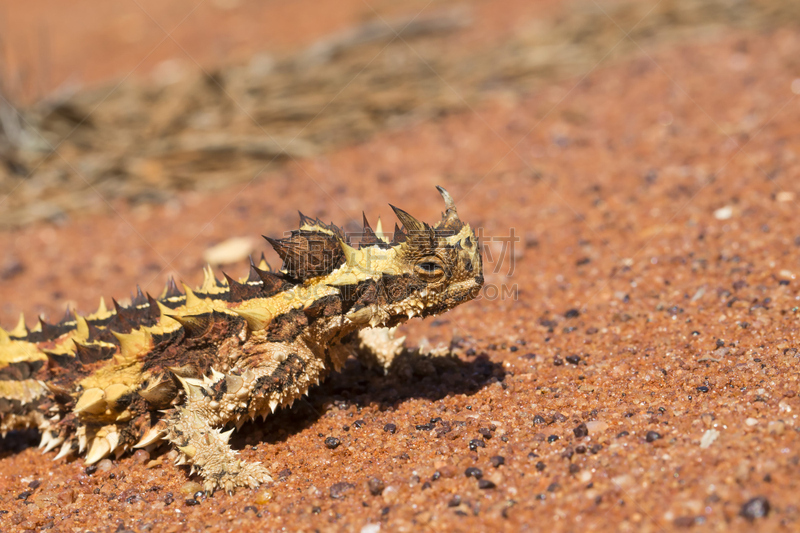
(423, 271)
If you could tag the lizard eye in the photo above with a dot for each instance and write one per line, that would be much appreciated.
(430, 269)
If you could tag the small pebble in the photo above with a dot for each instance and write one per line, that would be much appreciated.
(230, 251)
(191, 502)
(652, 436)
(497, 460)
(723, 213)
(573, 359)
(263, 497)
(91, 469)
(332, 443)
(455, 501)
(140, 457)
(596, 426)
(552, 438)
(390, 428)
(473, 472)
(375, 486)
(572, 313)
(540, 466)
(581, 431)
(105, 465)
(486, 484)
(339, 490)
(474, 444)
(486, 433)
(191, 487)
(757, 507)
(539, 420)
(776, 427)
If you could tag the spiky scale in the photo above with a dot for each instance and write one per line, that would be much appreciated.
(66, 449)
(21, 330)
(92, 401)
(99, 450)
(153, 435)
(257, 319)
(192, 300)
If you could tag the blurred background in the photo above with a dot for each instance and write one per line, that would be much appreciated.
(138, 99)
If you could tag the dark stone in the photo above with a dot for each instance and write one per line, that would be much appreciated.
(375, 486)
(486, 484)
(581, 431)
(552, 438)
(652, 436)
(339, 490)
(572, 313)
(332, 443)
(390, 428)
(473, 472)
(474, 444)
(573, 359)
(497, 460)
(540, 466)
(757, 507)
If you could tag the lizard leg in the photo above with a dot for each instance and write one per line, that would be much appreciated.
(206, 449)
(377, 347)
(276, 376)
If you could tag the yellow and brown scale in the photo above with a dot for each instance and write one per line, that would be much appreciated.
(183, 366)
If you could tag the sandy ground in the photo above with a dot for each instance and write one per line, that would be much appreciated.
(631, 365)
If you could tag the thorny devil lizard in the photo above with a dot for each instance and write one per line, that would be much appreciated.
(185, 365)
